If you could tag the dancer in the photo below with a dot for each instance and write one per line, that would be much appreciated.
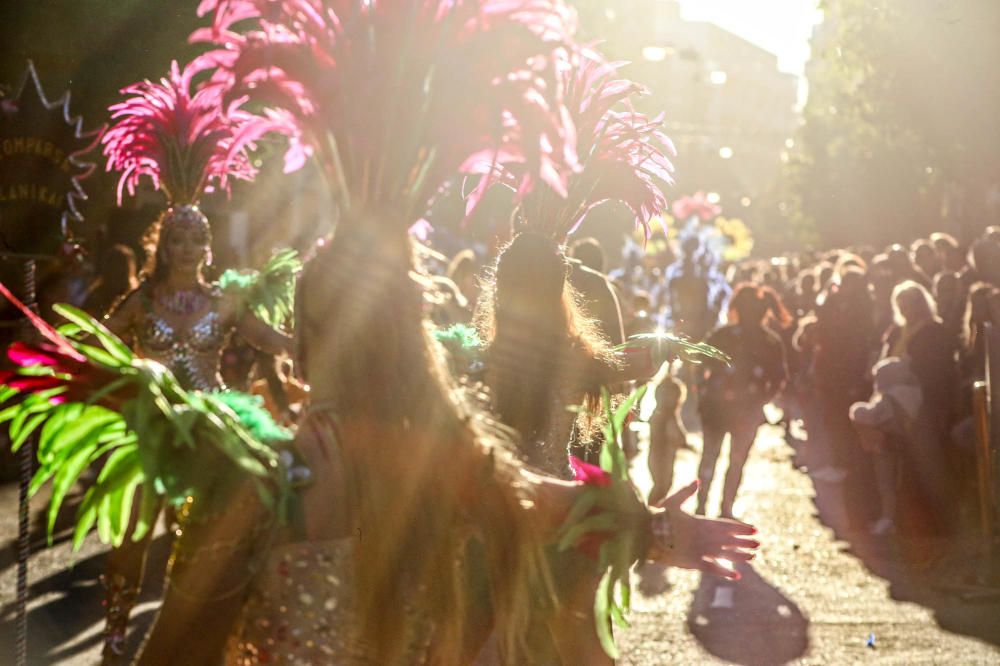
(697, 289)
(544, 354)
(175, 316)
(733, 395)
(364, 569)
(373, 378)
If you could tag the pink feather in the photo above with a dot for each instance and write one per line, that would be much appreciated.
(697, 205)
(625, 155)
(393, 97)
(179, 140)
(44, 328)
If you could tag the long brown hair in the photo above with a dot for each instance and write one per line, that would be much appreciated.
(754, 304)
(535, 330)
(427, 473)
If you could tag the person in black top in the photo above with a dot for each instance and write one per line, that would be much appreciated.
(733, 395)
(931, 349)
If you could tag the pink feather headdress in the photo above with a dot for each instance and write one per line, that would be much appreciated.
(393, 97)
(183, 142)
(696, 206)
(625, 155)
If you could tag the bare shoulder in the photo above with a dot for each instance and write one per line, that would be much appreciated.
(132, 302)
(326, 498)
(127, 312)
(227, 302)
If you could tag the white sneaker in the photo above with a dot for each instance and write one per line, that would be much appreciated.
(723, 597)
(882, 527)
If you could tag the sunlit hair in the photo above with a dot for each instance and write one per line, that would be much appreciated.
(402, 422)
(754, 304)
(977, 310)
(848, 260)
(912, 303)
(853, 281)
(461, 265)
(945, 281)
(944, 242)
(531, 320)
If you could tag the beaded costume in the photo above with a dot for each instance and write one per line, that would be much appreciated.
(300, 606)
(192, 351)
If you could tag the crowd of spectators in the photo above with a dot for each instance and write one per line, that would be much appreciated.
(882, 349)
(880, 353)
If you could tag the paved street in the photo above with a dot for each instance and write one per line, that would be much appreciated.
(807, 599)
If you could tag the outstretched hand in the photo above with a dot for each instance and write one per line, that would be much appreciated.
(695, 542)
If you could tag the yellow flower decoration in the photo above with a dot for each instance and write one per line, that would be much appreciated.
(739, 238)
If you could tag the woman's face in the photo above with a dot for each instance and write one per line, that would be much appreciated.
(186, 248)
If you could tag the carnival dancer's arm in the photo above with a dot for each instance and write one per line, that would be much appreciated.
(209, 574)
(680, 539)
(263, 301)
(641, 356)
(122, 319)
(263, 337)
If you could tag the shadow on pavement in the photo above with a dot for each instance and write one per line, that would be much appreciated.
(748, 621)
(71, 618)
(934, 571)
(62, 530)
(652, 579)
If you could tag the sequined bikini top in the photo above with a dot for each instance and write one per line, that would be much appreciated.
(193, 353)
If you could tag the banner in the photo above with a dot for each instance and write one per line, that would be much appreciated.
(41, 166)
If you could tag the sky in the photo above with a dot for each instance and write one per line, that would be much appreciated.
(783, 27)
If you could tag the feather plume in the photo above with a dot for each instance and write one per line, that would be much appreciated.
(393, 97)
(99, 402)
(695, 206)
(182, 142)
(625, 155)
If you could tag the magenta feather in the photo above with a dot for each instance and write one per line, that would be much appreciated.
(182, 142)
(696, 205)
(393, 97)
(625, 155)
